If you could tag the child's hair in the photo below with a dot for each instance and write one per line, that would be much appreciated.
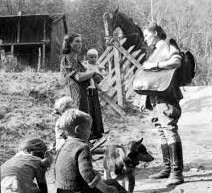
(35, 146)
(62, 104)
(92, 52)
(73, 117)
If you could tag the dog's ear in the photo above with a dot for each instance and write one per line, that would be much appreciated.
(139, 141)
(117, 10)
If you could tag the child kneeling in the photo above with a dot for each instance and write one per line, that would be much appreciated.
(19, 172)
(74, 170)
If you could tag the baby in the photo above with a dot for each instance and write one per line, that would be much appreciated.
(19, 172)
(90, 64)
(61, 105)
(73, 168)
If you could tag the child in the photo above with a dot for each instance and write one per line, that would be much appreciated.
(91, 64)
(18, 173)
(74, 170)
(61, 105)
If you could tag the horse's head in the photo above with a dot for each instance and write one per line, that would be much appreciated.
(121, 20)
(115, 19)
(130, 30)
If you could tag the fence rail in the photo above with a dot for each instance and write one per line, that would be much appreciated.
(116, 87)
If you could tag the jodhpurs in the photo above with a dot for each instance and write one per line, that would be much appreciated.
(165, 121)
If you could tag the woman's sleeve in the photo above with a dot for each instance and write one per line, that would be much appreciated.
(67, 69)
(86, 168)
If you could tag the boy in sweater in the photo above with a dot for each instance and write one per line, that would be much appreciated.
(74, 170)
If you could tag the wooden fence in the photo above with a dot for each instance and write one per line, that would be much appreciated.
(121, 65)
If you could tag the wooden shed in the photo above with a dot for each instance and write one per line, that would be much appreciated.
(35, 40)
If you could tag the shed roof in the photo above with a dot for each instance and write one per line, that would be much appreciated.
(52, 17)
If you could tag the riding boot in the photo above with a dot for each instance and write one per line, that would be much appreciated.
(167, 164)
(176, 154)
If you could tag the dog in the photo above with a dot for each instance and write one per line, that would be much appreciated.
(121, 162)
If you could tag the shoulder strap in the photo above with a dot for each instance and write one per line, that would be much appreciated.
(174, 43)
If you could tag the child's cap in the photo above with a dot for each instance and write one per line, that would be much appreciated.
(33, 145)
(73, 117)
(92, 52)
(62, 104)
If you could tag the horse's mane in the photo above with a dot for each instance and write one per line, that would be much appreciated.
(126, 18)
(130, 21)
(140, 31)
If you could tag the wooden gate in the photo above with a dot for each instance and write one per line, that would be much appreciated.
(121, 65)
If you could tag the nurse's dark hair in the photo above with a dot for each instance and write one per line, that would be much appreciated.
(154, 27)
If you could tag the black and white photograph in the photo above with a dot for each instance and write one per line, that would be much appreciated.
(106, 96)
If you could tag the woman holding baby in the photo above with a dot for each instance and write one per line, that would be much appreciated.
(77, 82)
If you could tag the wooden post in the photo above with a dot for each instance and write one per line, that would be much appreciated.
(152, 13)
(39, 59)
(110, 67)
(105, 16)
(44, 56)
(19, 29)
(44, 43)
(12, 49)
(118, 77)
(110, 64)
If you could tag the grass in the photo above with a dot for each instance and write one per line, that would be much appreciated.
(26, 101)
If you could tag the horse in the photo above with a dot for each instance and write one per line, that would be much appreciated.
(132, 32)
